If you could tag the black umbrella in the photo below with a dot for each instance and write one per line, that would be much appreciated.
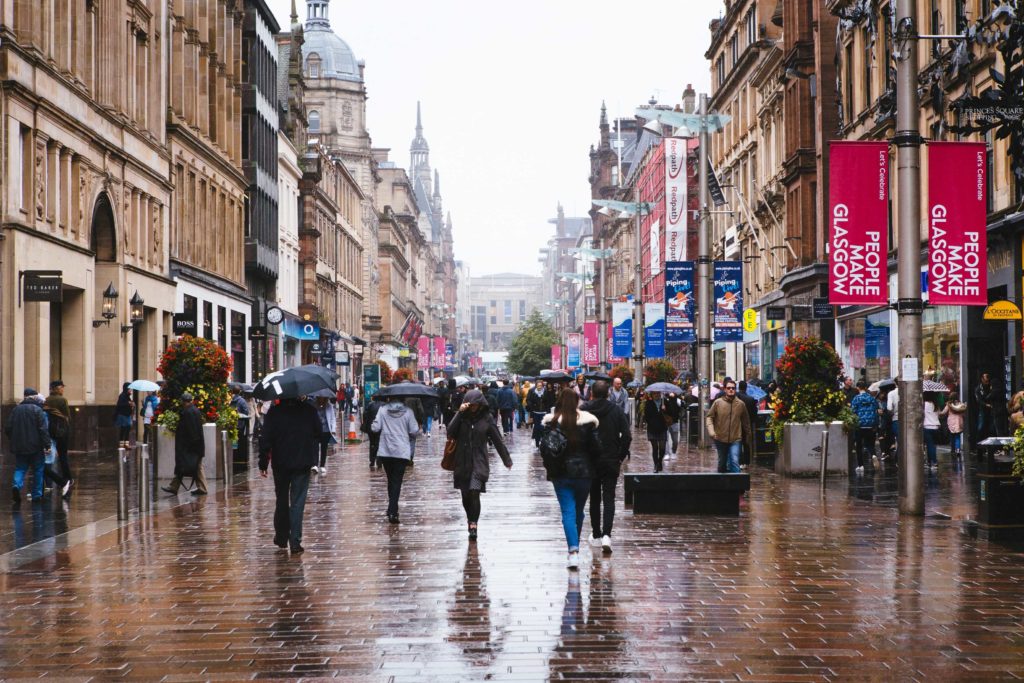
(598, 376)
(407, 390)
(294, 382)
(556, 376)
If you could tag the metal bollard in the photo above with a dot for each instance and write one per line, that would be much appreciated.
(145, 495)
(227, 458)
(824, 458)
(122, 492)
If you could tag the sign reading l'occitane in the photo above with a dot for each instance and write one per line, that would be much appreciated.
(1002, 310)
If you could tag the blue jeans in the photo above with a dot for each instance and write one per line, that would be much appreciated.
(22, 465)
(572, 499)
(430, 421)
(728, 456)
(290, 487)
(929, 444)
(956, 441)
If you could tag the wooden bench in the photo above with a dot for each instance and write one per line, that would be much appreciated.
(691, 493)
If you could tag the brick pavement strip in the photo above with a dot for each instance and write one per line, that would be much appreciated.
(788, 591)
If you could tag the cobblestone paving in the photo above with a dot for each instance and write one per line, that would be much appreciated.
(792, 590)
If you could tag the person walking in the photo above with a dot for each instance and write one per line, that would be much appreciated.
(416, 406)
(60, 482)
(892, 405)
(189, 448)
(955, 411)
(429, 404)
(615, 438)
(931, 428)
(521, 389)
(452, 401)
(571, 470)
(289, 442)
(472, 428)
(123, 413)
(984, 398)
(657, 428)
(148, 414)
(536, 400)
(673, 411)
(619, 396)
(728, 424)
(327, 413)
(398, 427)
(506, 407)
(865, 407)
(29, 437)
(59, 413)
(750, 403)
(369, 415)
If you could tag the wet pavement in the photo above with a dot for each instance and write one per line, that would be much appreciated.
(796, 588)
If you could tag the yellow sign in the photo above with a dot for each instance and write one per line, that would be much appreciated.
(1002, 310)
(750, 320)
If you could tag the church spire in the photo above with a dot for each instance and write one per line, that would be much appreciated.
(419, 121)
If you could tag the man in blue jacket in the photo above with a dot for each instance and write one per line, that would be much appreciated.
(507, 407)
(865, 406)
(30, 441)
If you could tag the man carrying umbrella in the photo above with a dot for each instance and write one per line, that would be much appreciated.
(189, 447)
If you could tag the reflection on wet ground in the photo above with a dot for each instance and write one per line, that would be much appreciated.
(796, 588)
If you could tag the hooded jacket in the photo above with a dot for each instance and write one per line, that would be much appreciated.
(506, 398)
(290, 436)
(581, 456)
(395, 423)
(472, 430)
(27, 428)
(612, 432)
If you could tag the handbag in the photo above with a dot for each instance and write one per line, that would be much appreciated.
(448, 460)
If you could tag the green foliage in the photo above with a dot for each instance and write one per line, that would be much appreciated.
(530, 351)
(808, 375)
(1018, 453)
(659, 370)
(623, 372)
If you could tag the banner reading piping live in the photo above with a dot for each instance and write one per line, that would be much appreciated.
(654, 330)
(729, 301)
(573, 350)
(859, 217)
(622, 329)
(590, 343)
(556, 357)
(675, 199)
(679, 302)
(957, 243)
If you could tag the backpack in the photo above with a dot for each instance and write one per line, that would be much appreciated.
(553, 445)
(58, 426)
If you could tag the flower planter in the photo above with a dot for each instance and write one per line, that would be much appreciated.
(212, 460)
(800, 455)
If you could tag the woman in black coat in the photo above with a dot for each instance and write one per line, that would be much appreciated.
(657, 428)
(472, 428)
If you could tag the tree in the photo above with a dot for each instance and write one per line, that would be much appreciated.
(530, 350)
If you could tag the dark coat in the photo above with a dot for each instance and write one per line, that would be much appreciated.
(657, 426)
(291, 437)
(472, 431)
(612, 432)
(369, 415)
(27, 429)
(582, 454)
(416, 406)
(535, 403)
(506, 398)
(124, 404)
(189, 445)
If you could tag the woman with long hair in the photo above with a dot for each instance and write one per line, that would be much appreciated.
(572, 470)
(472, 428)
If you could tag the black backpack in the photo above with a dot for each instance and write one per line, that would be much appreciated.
(58, 426)
(553, 445)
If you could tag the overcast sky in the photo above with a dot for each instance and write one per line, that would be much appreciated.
(511, 96)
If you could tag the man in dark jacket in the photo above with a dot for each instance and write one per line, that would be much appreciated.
(290, 441)
(189, 448)
(369, 415)
(491, 396)
(506, 400)
(751, 405)
(30, 441)
(614, 435)
(536, 405)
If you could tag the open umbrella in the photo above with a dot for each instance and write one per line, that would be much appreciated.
(324, 393)
(295, 382)
(883, 384)
(663, 388)
(555, 376)
(144, 385)
(407, 390)
(755, 392)
(241, 386)
(438, 380)
(634, 384)
(598, 376)
(939, 387)
(463, 381)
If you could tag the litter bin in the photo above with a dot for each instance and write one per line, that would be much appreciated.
(1000, 494)
(766, 448)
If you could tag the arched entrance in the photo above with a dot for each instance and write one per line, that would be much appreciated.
(104, 232)
(107, 342)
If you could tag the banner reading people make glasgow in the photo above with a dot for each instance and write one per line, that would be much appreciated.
(957, 262)
(622, 329)
(728, 301)
(556, 357)
(679, 302)
(654, 330)
(858, 223)
(675, 199)
(590, 344)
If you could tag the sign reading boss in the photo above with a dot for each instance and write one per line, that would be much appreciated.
(957, 273)
(859, 234)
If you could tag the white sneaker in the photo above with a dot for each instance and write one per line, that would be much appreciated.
(859, 470)
(595, 540)
(67, 487)
(606, 545)
(323, 470)
(574, 560)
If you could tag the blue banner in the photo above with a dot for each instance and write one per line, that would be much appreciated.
(679, 302)
(573, 350)
(728, 301)
(654, 330)
(622, 329)
(300, 329)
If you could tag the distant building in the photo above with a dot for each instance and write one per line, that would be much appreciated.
(498, 305)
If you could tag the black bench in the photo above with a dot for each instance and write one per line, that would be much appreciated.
(691, 493)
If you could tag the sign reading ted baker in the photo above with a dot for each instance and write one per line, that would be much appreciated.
(859, 223)
(957, 273)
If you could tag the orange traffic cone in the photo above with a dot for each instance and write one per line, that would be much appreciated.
(352, 427)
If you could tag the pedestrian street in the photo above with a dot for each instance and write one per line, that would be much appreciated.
(793, 589)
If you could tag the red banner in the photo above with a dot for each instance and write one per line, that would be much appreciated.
(957, 271)
(556, 357)
(858, 223)
(590, 342)
(437, 358)
(423, 353)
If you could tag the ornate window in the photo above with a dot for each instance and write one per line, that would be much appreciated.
(313, 65)
(314, 121)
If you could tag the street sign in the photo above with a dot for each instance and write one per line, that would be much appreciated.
(43, 285)
(714, 189)
(257, 332)
(341, 357)
(802, 312)
(1002, 310)
(775, 312)
(750, 320)
(822, 308)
